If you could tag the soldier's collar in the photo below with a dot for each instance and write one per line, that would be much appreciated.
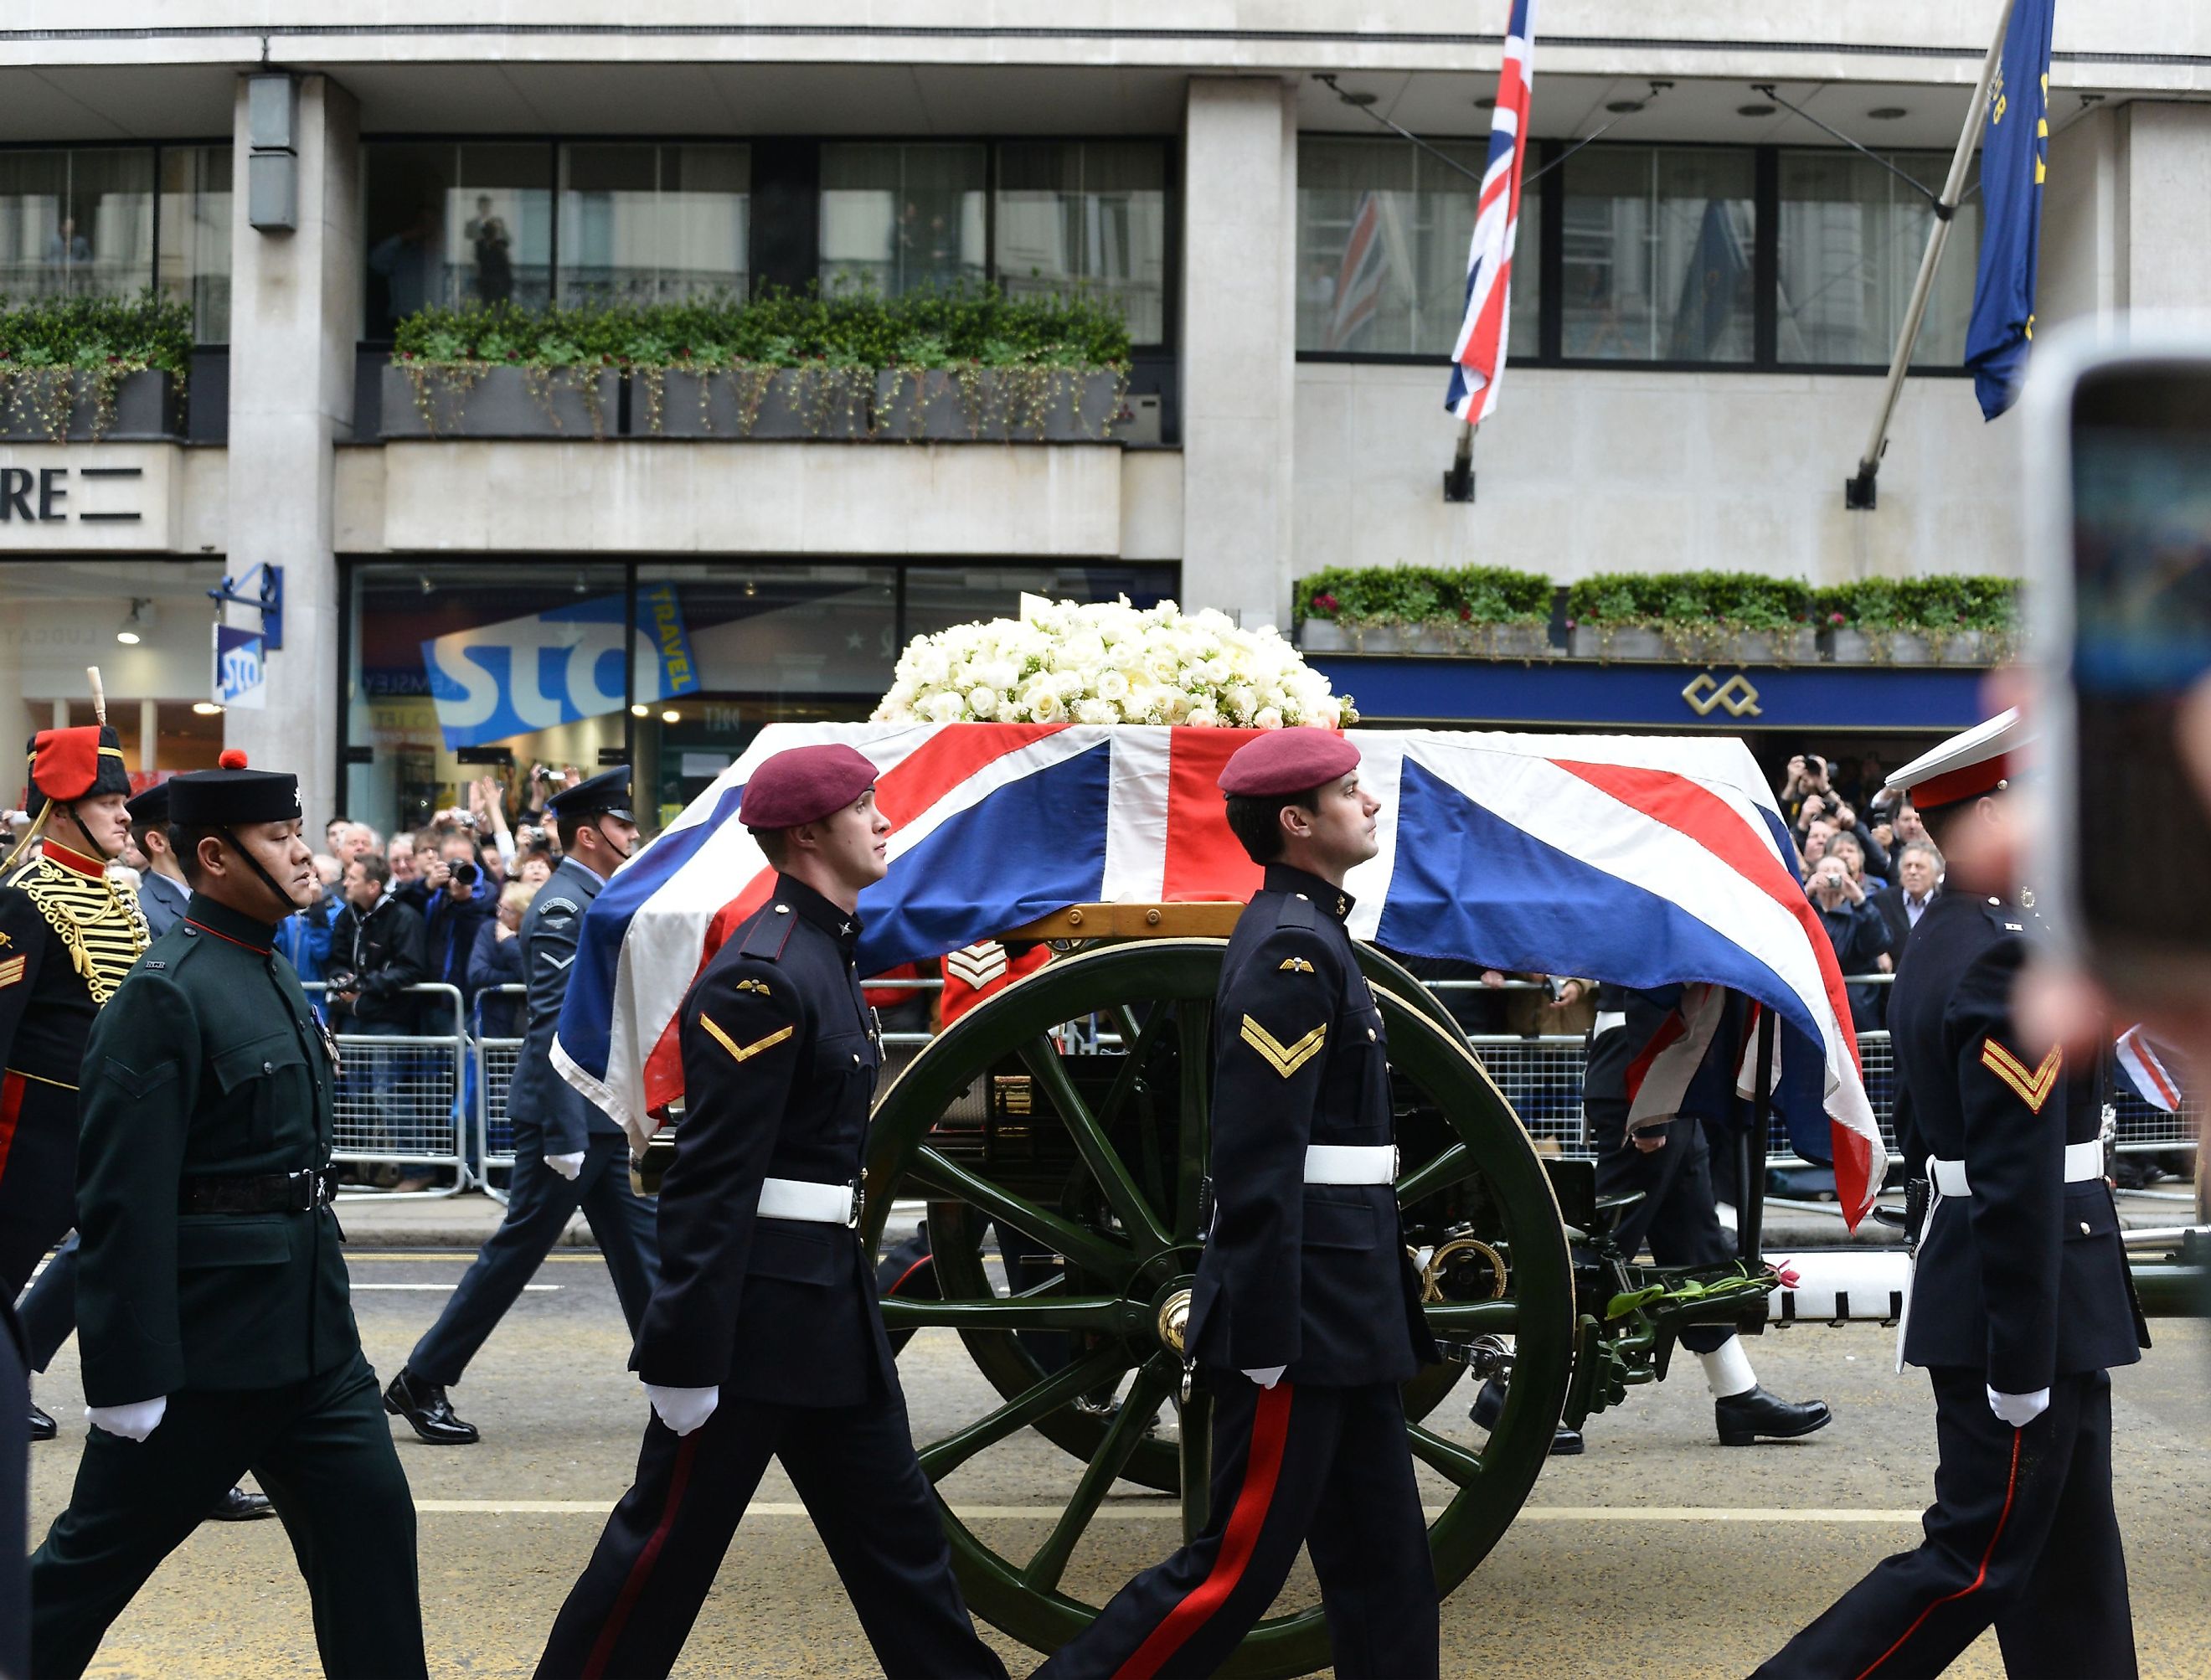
(842, 925)
(67, 858)
(1281, 878)
(207, 915)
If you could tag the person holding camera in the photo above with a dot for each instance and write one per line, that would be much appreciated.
(1856, 929)
(376, 952)
(457, 900)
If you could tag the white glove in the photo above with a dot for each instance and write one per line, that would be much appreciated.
(134, 1421)
(567, 1166)
(1267, 1375)
(683, 1410)
(2019, 1410)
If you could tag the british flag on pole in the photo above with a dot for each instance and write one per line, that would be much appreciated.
(1478, 357)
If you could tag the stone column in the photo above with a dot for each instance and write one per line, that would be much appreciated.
(1238, 345)
(295, 315)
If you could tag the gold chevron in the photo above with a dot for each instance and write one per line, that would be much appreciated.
(1284, 1060)
(2033, 1089)
(743, 1053)
(1295, 965)
(12, 970)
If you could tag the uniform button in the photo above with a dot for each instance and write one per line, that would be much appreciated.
(2084, 1227)
(269, 1067)
(856, 1061)
(1370, 1035)
(783, 910)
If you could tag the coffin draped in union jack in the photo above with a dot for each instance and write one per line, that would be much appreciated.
(1646, 862)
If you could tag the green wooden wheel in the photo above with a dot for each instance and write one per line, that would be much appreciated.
(1086, 1159)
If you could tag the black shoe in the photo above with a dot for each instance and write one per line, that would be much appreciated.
(425, 1406)
(1744, 1418)
(240, 1506)
(1489, 1406)
(43, 1428)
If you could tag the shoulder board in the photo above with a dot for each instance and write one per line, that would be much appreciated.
(1298, 910)
(770, 932)
(2003, 918)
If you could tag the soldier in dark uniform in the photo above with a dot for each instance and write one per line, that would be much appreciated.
(764, 1338)
(2020, 1301)
(217, 1330)
(567, 1155)
(163, 892)
(1304, 1318)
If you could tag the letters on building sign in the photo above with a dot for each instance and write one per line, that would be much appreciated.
(41, 495)
(1737, 696)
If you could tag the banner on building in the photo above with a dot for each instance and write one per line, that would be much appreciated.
(558, 667)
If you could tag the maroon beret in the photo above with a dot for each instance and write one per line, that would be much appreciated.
(1288, 761)
(804, 785)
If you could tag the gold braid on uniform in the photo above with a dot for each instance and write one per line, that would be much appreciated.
(100, 924)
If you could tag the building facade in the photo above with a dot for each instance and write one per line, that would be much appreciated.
(1705, 295)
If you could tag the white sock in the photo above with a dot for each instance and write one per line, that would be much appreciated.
(1727, 1369)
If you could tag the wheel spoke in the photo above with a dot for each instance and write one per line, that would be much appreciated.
(1467, 1318)
(1100, 1256)
(1194, 1023)
(1447, 1457)
(940, 1459)
(1451, 1167)
(1044, 1569)
(1137, 1219)
(1032, 1309)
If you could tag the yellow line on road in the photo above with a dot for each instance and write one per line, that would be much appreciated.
(1165, 1512)
(442, 1288)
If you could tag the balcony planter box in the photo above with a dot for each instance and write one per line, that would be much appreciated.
(148, 405)
(1773, 648)
(998, 405)
(1850, 647)
(1589, 641)
(1322, 635)
(1907, 647)
(499, 402)
(1965, 647)
(1511, 641)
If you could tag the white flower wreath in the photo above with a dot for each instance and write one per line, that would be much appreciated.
(1107, 662)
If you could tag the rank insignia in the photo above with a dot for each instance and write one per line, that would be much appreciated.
(12, 970)
(760, 987)
(743, 1053)
(1285, 1058)
(976, 965)
(2032, 1088)
(1296, 965)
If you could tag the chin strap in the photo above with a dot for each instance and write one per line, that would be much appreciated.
(598, 827)
(267, 879)
(91, 845)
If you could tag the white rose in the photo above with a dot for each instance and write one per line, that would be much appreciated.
(931, 666)
(1042, 704)
(1267, 717)
(1113, 686)
(1174, 705)
(944, 708)
(1095, 712)
(982, 702)
(1327, 714)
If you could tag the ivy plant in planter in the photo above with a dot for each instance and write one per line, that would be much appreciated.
(1706, 617)
(1958, 619)
(85, 369)
(929, 367)
(1488, 609)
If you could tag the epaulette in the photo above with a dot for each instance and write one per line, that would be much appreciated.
(1298, 910)
(2006, 918)
(771, 932)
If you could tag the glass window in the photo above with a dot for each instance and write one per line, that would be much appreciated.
(1851, 238)
(939, 597)
(1383, 231)
(1089, 216)
(77, 223)
(898, 218)
(1657, 254)
(647, 223)
(454, 224)
(194, 263)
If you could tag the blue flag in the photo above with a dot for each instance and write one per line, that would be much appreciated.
(2014, 155)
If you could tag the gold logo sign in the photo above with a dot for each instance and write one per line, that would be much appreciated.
(1735, 695)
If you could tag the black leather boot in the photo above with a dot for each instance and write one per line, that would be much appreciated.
(424, 1405)
(1489, 1406)
(1744, 1418)
(241, 1505)
(43, 1427)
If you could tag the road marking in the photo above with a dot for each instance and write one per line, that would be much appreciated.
(448, 1288)
(460, 1256)
(1162, 1511)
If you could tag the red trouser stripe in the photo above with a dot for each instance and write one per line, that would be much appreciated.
(1262, 1466)
(640, 1571)
(11, 1109)
(2011, 1486)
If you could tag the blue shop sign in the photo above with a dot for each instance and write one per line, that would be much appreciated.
(1658, 696)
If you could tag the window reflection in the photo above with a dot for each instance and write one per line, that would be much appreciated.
(1658, 257)
(1086, 215)
(454, 224)
(194, 261)
(1851, 238)
(897, 218)
(648, 223)
(77, 223)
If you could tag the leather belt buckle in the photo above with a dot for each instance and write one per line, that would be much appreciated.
(859, 1188)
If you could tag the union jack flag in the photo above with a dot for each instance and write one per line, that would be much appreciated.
(1359, 277)
(1478, 357)
(1646, 862)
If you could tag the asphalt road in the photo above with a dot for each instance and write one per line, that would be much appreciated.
(1657, 1553)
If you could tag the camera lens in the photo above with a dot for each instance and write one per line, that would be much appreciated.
(466, 874)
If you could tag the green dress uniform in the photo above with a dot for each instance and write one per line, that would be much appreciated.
(212, 1278)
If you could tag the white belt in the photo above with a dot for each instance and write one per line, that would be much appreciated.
(1607, 1020)
(802, 1199)
(2083, 1163)
(1351, 1164)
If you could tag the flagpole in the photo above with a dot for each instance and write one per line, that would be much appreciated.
(1458, 477)
(1858, 492)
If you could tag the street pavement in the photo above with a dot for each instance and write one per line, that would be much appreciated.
(1657, 1553)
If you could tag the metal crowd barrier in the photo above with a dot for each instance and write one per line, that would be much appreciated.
(402, 1098)
(496, 1059)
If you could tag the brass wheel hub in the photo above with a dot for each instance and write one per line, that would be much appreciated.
(1173, 1319)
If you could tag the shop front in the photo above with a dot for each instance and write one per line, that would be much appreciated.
(525, 667)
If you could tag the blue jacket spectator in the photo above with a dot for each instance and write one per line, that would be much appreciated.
(457, 900)
(305, 939)
(1856, 929)
(497, 960)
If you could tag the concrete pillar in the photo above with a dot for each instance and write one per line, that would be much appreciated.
(149, 736)
(2168, 209)
(2083, 270)
(296, 300)
(1239, 339)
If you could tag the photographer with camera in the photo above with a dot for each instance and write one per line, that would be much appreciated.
(458, 899)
